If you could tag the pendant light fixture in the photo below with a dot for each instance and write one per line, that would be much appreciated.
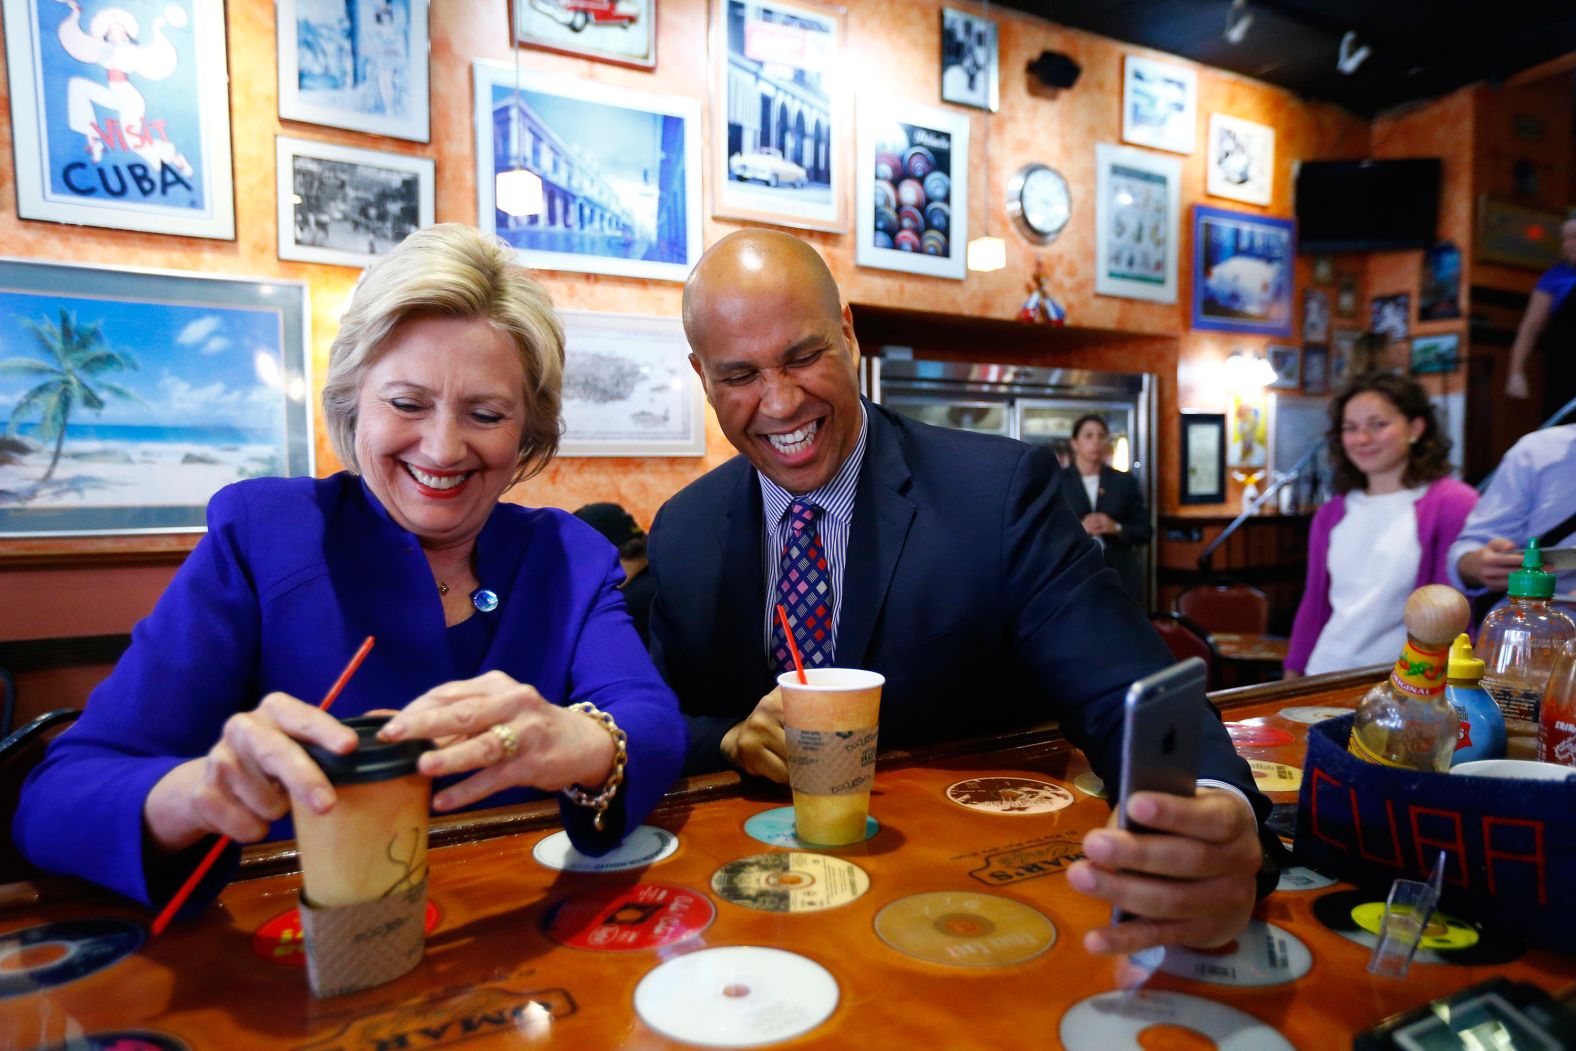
(518, 191)
(987, 253)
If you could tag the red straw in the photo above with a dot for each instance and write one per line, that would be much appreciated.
(163, 919)
(793, 647)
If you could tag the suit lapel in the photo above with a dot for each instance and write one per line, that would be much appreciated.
(1073, 489)
(882, 516)
(741, 585)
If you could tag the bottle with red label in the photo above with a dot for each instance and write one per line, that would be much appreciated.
(1557, 725)
(1482, 733)
(1406, 720)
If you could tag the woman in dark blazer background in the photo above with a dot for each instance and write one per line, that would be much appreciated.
(1114, 512)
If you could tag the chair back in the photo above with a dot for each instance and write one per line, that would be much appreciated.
(19, 753)
(1185, 639)
(1234, 608)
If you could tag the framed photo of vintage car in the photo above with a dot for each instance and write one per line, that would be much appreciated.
(621, 31)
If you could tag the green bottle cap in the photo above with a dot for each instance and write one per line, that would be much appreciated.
(1531, 580)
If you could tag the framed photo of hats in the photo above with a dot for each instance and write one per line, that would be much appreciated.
(347, 206)
(120, 117)
(782, 156)
(1241, 159)
(356, 64)
(1159, 104)
(968, 60)
(621, 31)
(912, 189)
(1242, 273)
(1137, 209)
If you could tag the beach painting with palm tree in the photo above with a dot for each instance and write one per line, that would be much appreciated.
(128, 399)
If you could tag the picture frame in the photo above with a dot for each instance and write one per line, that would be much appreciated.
(1159, 104)
(208, 384)
(1241, 165)
(969, 59)
(1242, 272)
(96, 147)
(1439, 297)
(1516, 235)
(1315, 315)
(1439, 353)
(366, 74)
(1391, 315)
(1286, 360)
(1343, 355)
(1248, 432)
(1323, 270)
(911, 166)
(1315, 370)
(1203, 471)
(347, 206)
(621, 170)
(777, 69)
(1346, 295)
(623, 32)
(1137, 216)
(628, 387)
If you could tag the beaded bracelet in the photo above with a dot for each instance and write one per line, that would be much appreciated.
(600, 800)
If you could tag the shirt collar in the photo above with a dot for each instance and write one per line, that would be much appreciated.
(836, 497)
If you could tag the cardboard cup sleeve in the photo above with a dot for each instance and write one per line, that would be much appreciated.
(355, 947)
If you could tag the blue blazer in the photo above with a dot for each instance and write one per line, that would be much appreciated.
(969, 585)
(292, 575)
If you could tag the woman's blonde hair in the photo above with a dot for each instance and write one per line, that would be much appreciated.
(450, 270)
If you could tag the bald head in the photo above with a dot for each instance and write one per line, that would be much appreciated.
(750, 268)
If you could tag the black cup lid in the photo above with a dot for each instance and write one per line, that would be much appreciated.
(373, 760)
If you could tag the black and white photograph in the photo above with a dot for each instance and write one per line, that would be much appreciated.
(348, 206)
(1241, 159)
(628, 387)
(1391, 315)
(968, 60)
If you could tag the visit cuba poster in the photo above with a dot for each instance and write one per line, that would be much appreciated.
(120, 114)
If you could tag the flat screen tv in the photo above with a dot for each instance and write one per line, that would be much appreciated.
(1367, 206)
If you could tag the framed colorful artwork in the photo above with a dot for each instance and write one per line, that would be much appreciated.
(1137, 205)
(968, 60)
(1440, 295)
(1391, 315)
(1345, 295)
(1441, 353)
(1203, 457)
(1159, 104)
(1242, 272)
(1344, 363)
(782, 157)
(1286, 360)
(912, 166)
(122, 119)
(1315, 315)
(348, 206)
(356, 64)
(1248, 435)
(1241, 159)
(1517, 235)
(138, 394)
(620, 171)
(621, 31)
(628, 387)
(1315, 370)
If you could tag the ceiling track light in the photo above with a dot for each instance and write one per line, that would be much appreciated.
(1351, 56)
(1238, 19)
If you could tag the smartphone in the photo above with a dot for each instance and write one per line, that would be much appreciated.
(1160, 738)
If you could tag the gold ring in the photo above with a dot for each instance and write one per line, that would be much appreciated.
(506, 737)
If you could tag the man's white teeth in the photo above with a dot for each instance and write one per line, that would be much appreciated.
(794, 441)
(436, 481)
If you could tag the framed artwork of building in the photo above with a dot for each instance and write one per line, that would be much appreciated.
(347, 206)
(781, 157)
(622, 31)
(121, 118)
(628, 387)
(912, 167)
(357, 64)
(969, 60)
(1159, 104)
(620, 173)
(1242, 273)
(1137, 208)
(196, 382)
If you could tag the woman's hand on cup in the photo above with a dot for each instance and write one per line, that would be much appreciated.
(247, 780)
(507, 732)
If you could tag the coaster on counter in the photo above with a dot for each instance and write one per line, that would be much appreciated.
(1089, 784)
(1009, 795)
(628, 918)
(1310, 714)
(1253, 735)
(120, 1040)
(1300, 877)
(36, 958)
(355, 947)
(1353, 914)
(796, 881)
(963, 929)
(646, 845)
(1115, 1021)
(776, 827)
(736, 996)
(1275, 777)
(1263, 954)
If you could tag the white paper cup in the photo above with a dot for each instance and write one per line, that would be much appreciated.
(1515, 769)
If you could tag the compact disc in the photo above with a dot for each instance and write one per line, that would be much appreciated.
(1252, 735)
(1089, 784)
(1009, 795)
(736, 996)
(37, 958)
(1300, 877)
(644, 846)
(776, 827)
(120, 1040)
(1116, 1021)
(1354, 915)
(626, 918)
(1262, 954)
(1311, 714)
(1275, 777)
(962, 929)
(796, 881)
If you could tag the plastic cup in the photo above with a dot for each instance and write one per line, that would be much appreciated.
(831, 724)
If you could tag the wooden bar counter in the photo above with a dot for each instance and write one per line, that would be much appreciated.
(508, 962)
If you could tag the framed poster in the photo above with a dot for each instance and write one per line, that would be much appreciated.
(1391, 315)
(1315, 370)
(1137, 204)
(1287, 362)
(622, 31)
(620, 171)
(1315, 315)
(1346, 295)
(912, 165)
(122, 120)
(1516, 235)
(1440, 353)
(968, 60)
(1440, 296)
(1242, 272)
(1159, 104)
(1344, 362)
(348, 206)
(357, 64)
(1241, 159)
(195, 381)
(628, 387)
(1248, 443)
(1203, 457)
(776, 75)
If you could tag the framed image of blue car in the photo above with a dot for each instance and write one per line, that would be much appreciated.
(120, 116)
(620, 173)
(357, 64)
(1242, 272)
(131, 396)
(622, 31)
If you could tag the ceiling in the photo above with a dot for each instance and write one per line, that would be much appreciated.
(1420, 48)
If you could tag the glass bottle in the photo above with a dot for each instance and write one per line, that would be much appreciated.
(1557, 717)
(1406, 721)
(1518, 643)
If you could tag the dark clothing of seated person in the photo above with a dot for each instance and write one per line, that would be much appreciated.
(622, 531)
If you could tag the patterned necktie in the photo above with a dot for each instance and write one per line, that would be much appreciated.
(804, 587)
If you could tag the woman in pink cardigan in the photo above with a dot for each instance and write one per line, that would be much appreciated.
(1384, 533)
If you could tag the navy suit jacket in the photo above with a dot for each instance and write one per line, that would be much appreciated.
(1118, 496)
(969, 585)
